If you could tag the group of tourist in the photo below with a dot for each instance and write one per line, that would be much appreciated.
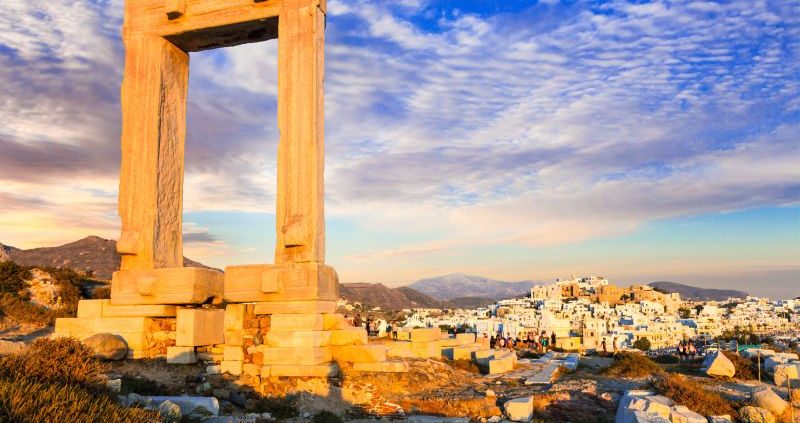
(687, 350)
(523, 341)
(372, 326)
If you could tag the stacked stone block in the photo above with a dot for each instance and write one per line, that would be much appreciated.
(432, 343)
(148, 330)
(302, 339)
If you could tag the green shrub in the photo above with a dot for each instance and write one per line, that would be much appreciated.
(280, 408)
(685, 391)
(642, 344)
(632, 365)
(667, 359)
(12, 277)
(327, 417)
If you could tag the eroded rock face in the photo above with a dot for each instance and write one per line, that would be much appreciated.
(767, 399)
(751, 414)
(720, 366)
(107, 346)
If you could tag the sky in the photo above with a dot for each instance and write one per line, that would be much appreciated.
(514, 140)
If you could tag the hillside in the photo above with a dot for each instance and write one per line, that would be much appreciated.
(457, 284)
(91, 254)
(470, 302)
(700, 294)
(379, 295)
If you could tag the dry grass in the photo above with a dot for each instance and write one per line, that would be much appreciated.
(744, 367)
(632, 365)
(59, 380)
(62, 360)
(685, 391)
(23, 401)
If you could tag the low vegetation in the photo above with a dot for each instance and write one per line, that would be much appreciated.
(632, 365)
(58, 380)
(745, 369)
(279, 408)
(685, 391)
(642, 344)
(15, 302)
(326, 417)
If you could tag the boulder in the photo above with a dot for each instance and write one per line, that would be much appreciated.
(170, 411)
(107, 346)
(682, 414)
(519, 409)
(776, 360)
(786, 372)
(719, 365)
(751, 414)
(646, 417)
(767, 399)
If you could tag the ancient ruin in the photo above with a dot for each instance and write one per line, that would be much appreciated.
(256, 320)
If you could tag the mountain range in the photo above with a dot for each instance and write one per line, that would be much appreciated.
(94, 255)
(698, 294)
(455, 285)
(99, 257)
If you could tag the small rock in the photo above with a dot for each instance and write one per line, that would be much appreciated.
(214, 369)
(134, 398)
(490, 393)
(107, 346)
(720, 419)
(115, 385)
(306, 415)
(494, 419)
(170, 411)
(222, 393)
(266, 416)
(750, 414)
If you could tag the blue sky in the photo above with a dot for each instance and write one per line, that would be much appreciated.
(516, 140)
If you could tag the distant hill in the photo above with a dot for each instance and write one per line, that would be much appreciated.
(457, 284)
(470, 302)
(379, 295)
(698, 294)
(91, 254)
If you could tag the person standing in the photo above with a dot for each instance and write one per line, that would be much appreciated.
(553, 339)
(357, 320)
(605, 349)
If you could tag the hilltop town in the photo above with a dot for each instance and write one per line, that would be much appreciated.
(583, 312)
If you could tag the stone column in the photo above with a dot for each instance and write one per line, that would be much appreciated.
(154, 90)
(300, 222)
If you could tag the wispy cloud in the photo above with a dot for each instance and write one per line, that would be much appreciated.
(445, 128)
